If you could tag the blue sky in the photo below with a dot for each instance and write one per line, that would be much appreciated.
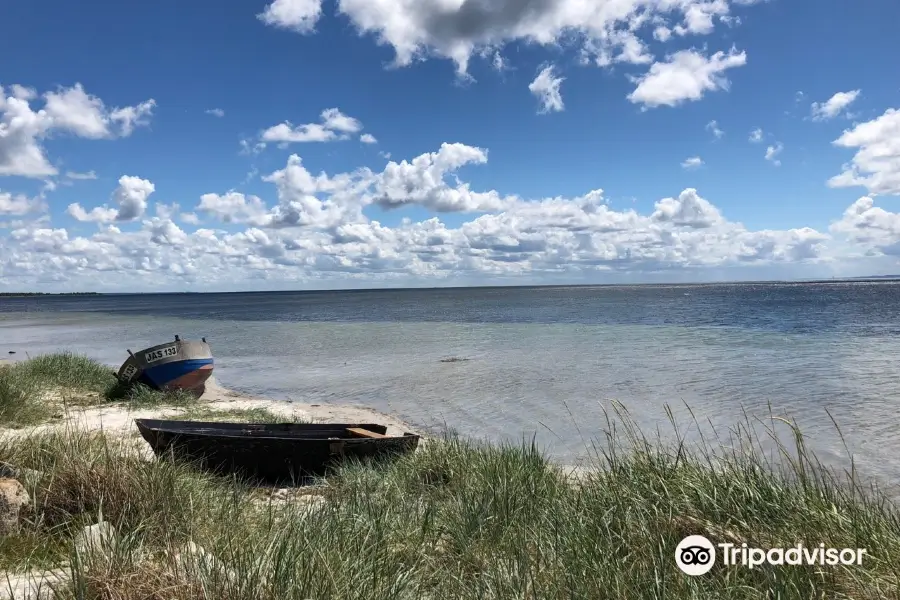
(626, 123)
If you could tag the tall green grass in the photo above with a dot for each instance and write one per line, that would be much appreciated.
(460, 519)
(33, 390)
(258, 414)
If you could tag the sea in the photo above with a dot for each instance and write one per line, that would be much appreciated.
(554, 365)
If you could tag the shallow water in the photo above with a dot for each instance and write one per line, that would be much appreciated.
(543, 362)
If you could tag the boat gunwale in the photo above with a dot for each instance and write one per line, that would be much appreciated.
(236, 433)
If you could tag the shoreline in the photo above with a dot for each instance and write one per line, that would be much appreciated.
(120, 415)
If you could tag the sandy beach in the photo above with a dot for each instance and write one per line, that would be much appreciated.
(119, 416)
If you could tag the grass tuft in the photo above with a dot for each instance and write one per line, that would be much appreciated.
(242, 415)
(33, 390)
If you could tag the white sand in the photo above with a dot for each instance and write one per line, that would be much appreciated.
(119, 417)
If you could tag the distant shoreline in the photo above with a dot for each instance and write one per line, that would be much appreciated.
(29, 294)
(773, 282)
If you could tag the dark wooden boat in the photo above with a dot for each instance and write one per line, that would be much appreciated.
(272, 452)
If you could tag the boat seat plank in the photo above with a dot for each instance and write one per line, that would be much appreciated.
(360, 432)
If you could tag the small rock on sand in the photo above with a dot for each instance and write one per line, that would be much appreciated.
(33, 585)
(13, 497)
(95, 540)
(194, 560)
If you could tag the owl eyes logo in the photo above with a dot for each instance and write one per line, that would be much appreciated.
(695, 555)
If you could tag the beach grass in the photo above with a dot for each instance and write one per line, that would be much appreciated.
(33, 390)
(460, 519)
(258, 414)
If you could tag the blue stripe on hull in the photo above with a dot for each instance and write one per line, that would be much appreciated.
(163, 374)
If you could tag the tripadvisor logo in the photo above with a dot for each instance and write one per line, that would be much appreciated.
(696, 555)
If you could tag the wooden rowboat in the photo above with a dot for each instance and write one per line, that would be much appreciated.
(271, 452)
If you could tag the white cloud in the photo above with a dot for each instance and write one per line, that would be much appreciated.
(318, 231)
(876, 164)
(870, 226)
(130, 196)
(688, 210)
(498, 62)
(287, 133)
(337, 121)
(296, 15)
(834, 106)
(422, 181)
(234, 207)
(602, 31)
(133, 116)
(546, 87)
(662, 33)
(756, 135)
(249, 147)
(693, 162)
(772, 152)
(335, 125)
(216, 112)
(81, 176)
(66, 110)
(19, 205)
(685, 76)
(368, 138)
(698, 17)
(713, 127)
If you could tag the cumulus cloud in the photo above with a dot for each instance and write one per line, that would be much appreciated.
(756, 135)
(299, 16)
(876, 164)
(872, 227)
(499, 63)
(699, 16)
(130, 196)
(216, 112)
(685, 76)
(694, 162)
(604, 31)
(834, 106)
(234, 207)
(66, 110)
(368, 138)
(688, 210)
(772, 152)
(662, 33)
(713, 128)
(422, 181)
(546, 87)
(334, 125)
(19, 205)
(318, 229)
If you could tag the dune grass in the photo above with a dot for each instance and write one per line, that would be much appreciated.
(244, 415)
(459, 519)
(33, 390)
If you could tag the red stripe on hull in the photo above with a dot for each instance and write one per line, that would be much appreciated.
(192, 380)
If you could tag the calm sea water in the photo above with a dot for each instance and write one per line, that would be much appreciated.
(542, 362)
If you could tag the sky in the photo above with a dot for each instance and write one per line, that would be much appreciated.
(322, 144)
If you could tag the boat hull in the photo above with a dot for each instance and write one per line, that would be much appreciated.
(277, 453)
(181, 364)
